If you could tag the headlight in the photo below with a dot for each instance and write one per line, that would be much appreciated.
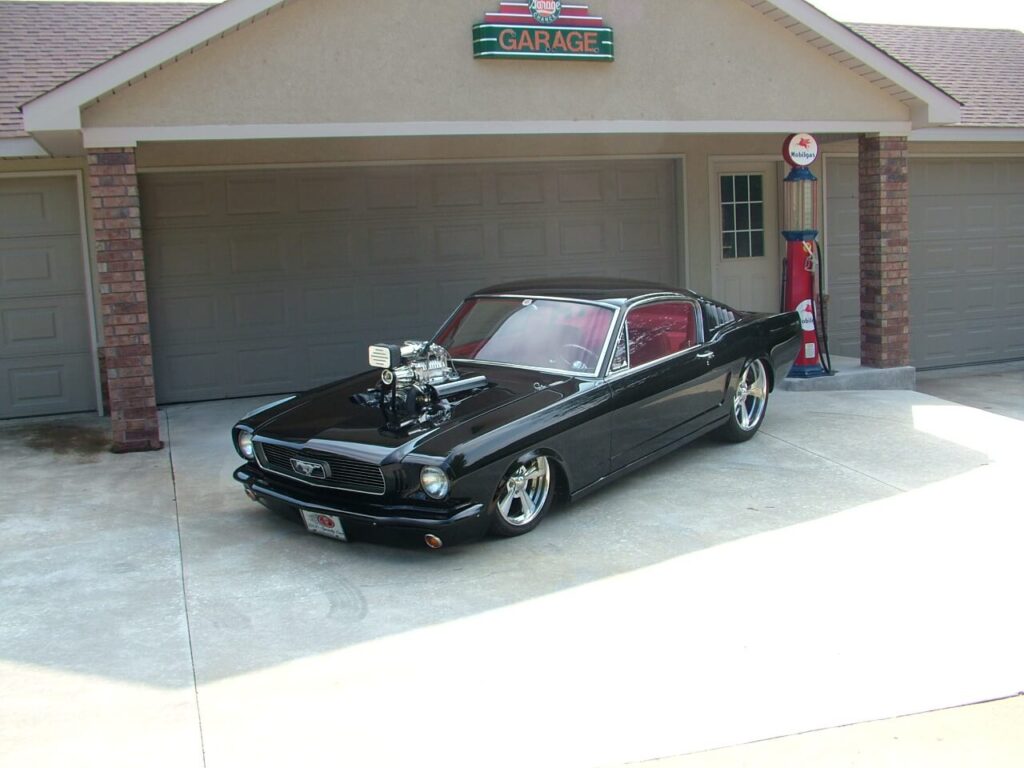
(435, 482)
(245, 445)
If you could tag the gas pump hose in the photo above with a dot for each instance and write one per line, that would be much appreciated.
(820, 323)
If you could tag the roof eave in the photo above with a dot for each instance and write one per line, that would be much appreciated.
(21, 146)
(973, 133)
(930, 105)
(59, 110)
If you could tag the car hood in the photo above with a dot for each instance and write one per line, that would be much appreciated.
(331, 415)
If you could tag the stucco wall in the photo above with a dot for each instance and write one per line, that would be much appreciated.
(343, 61)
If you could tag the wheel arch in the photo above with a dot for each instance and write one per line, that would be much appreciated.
(563, 478)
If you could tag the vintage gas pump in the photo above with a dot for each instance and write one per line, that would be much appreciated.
(802, 266)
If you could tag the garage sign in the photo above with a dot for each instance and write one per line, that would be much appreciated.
(543, 29)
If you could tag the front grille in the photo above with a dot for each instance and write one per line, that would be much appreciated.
(346, 474)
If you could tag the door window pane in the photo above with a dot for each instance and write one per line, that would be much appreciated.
(659, 330)
(727, 196)
(743, 234)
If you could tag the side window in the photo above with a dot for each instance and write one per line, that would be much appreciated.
(660, 329)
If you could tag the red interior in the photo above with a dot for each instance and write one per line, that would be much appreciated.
(658, 330)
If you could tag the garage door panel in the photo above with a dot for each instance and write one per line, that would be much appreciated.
(31, 207)
(961, 217)
(959, 342)
(1015, 218)
(1015, 344)
(1015, 295)
(193, 372)
(50, 325)
(643, 234)
(326, 306)
(521, 188)
(329, 362)
(258, 312)
(261, 251)
(345, 257)
(42, 265)
(960, 176)
(248, 195)
(326, 250)
(457, 190)
(46, 359)
(180, 257)
(175, 200)
(522, 240)
(584, 186)
(41, 385)
(966, 260)
(454, 244)
(641, 184)
(580, 237)
(323, 193)
(181, 315)
(396, 245)
(270, 368)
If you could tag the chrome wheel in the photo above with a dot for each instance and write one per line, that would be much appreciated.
(751, 396)
(523, 496)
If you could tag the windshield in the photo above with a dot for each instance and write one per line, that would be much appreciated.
(539, 333)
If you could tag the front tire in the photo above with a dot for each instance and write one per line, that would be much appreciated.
(749, 405)
(523, 497)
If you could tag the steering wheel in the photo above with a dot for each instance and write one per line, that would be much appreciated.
(589, 357)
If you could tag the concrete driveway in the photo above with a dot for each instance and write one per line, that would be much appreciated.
(859, 560)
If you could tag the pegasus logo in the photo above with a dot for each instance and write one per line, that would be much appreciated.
(314, 469)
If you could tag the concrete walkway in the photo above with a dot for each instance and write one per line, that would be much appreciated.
(857, 561)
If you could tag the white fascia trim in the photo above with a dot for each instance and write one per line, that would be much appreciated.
(131, 136)
(21, 146)
(59, 109)
(963, 133)
(942, 108)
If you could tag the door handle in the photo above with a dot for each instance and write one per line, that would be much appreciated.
(709, 356)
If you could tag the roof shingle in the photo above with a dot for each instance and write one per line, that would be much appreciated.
(982, 68)
(42, 45)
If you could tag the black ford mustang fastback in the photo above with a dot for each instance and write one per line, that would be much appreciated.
(530, 392)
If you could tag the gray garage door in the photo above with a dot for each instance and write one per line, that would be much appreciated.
(45, 345)
(264, 282)
(966, 260)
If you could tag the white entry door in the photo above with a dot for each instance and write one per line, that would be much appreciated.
(745, 235)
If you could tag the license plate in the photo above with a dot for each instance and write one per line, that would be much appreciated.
(324, 525)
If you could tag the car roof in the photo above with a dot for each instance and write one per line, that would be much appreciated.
(607, 289)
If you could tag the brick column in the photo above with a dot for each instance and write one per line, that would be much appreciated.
(127, 348)
(884, 252)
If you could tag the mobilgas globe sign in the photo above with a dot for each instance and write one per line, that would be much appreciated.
(543, 29)
(800, 150)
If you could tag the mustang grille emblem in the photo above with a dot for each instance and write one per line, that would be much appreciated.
(313, 469)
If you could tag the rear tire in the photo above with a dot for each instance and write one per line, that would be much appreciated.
(749, 404)
(523, 497)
